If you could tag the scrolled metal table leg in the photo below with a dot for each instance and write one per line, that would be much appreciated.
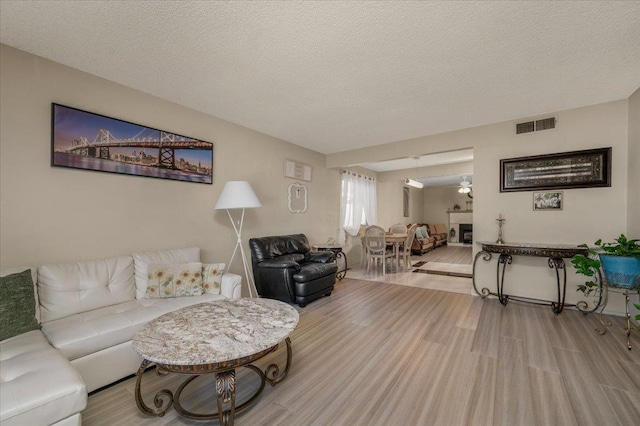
(162, 397)
(504, 260)
(226, 394)
(557, 264)
(272, 372)
(486, 256)
(341, 274)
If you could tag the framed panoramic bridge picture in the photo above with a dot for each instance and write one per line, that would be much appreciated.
(84, 140)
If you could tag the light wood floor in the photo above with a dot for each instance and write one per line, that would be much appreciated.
(376, 353)
(447, 254)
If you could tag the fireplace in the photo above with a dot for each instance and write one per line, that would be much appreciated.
(466, 233)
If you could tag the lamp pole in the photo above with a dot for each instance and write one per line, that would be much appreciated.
(253, 292)
(239, 195)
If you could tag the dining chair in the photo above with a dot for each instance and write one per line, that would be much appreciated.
(405, 249)
(398, 228)
(377, 247)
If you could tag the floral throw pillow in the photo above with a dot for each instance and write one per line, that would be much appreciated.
(175, 280)
(212, 277)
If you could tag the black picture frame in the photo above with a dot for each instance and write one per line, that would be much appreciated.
(575, 169)
(89, 141)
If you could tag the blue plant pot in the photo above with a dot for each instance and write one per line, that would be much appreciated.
(620, 271)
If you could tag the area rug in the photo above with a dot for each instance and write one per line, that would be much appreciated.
(449, 269)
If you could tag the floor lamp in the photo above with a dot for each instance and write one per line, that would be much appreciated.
(239, 195)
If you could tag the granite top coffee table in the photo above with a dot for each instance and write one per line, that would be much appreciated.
(214, 338)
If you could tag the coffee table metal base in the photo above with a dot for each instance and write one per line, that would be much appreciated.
(225, 385)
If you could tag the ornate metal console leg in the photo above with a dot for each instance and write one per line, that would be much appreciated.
(557, 264)
(158, 400)
(504, 260)
(486, 256)
(272, 372)
(340, 275)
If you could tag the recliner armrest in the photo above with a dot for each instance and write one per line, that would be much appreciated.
(279, 264)
(320, 256)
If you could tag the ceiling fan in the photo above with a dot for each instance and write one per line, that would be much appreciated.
(465, 187)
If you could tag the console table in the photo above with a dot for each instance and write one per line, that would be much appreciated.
(555, 254)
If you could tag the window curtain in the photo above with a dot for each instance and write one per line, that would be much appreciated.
(358, 203)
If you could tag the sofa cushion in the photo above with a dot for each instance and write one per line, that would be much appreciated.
(69, 288)
(17, 305)
(92, 331)
(38, 386)
(441, 229)
(175, 280)
(212, 277)
(312, 271)
(142, 261)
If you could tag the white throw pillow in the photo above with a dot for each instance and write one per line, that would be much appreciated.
(212, 277)
(141, 262)
(425, 233)
(177, 280)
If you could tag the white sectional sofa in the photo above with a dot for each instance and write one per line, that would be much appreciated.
(89, 313)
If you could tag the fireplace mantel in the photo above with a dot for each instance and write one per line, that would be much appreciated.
(458, 219)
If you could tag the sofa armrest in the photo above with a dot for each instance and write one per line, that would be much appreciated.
(279, 264)
(231, 285)
(320, 256)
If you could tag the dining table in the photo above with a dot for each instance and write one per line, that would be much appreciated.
(396, 241)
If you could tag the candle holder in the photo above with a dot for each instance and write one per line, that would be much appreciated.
(500, 221)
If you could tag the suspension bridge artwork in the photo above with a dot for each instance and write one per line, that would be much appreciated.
(84, 140)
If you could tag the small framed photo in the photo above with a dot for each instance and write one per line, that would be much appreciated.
(548, 201)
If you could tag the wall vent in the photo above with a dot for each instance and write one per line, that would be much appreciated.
(536, 126)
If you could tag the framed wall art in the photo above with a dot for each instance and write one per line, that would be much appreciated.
(405, 201)
(295, 170)
(297, 197)
(548, 201)
(84, 140)
(576, 169)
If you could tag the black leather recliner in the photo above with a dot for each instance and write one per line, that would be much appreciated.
(285, 268)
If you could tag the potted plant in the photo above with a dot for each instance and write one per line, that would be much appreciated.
(620, 262)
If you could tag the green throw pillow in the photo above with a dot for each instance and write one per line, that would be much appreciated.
(17, 305)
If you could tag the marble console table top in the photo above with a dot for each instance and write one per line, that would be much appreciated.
(217, 331)
(533, 249)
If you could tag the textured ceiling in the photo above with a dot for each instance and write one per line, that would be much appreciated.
(334, 76)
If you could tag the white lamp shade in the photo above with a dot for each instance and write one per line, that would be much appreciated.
(237, 194)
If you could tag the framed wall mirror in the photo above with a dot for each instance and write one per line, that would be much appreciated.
(297, 195)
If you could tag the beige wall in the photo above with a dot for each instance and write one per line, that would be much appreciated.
(633, 195)
(437, 200)
(588, 213)
(390, 203)
(52, 214)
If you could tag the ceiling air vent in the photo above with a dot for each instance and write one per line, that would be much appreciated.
(536, 126)
(527, 127)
